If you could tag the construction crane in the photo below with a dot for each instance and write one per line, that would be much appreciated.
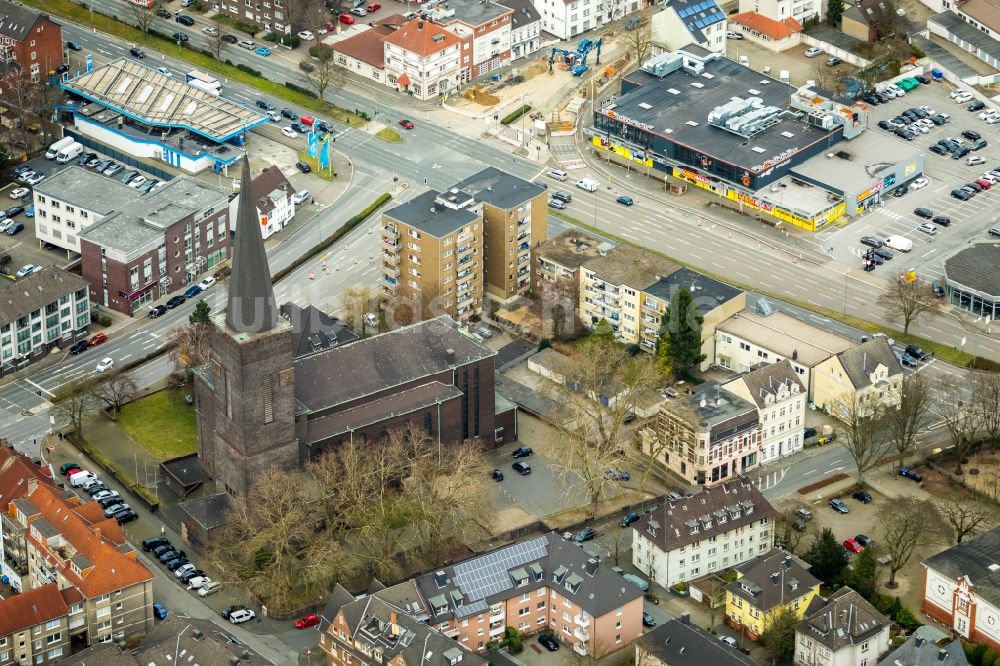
(582, 51)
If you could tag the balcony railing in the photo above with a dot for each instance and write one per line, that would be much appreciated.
(391, 258)
(390, 232)
(389, 244)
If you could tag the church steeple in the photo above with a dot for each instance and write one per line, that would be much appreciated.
(252, 307)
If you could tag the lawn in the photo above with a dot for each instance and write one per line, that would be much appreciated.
(162, 423)
(390, 135)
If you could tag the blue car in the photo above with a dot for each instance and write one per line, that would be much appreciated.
(160, 611)
(263, 51)
(624, 200)
(192, 291)
(30, 212)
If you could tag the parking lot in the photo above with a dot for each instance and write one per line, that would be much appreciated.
(969, 219)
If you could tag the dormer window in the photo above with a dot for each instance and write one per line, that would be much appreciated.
(653, 527)
(519, 576)
(573, 582)
(559, 574)
(692, 526)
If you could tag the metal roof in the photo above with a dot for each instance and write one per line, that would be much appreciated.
(152, 98)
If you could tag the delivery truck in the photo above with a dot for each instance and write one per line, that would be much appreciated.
(899, 243)
(54, 149)
(70, 152)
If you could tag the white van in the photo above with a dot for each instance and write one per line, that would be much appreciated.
(557, 174)
(588, 184)
(899, 243)
(78, 479)
(54, 149)
(70, 152)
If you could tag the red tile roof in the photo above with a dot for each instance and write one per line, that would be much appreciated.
(15, 471)
(31, 608)
(113, 565)
(403, 80)
(367, 46)
(767, 26)
(422, 38)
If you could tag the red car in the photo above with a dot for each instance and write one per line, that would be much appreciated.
(310, 620)
(985, 184)
(374, 7)
(98, 339)
(853, 546)
(346, 19)
(307, 120)
(407, 124)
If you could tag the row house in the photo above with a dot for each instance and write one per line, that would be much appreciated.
(781, 407)
(31, 46)
(267, 15)
(711, 531)
(568, 18)
(484, 27)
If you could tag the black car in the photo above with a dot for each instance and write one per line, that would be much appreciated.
(171, 554)
(264, 104)
(809, 433)
(937, 289)
(960, 152)
(586, 534)
(96, 488)
(126, 516)
(925, 213)
(629, 518)
(923, 79)
(961, 195)
(978, 144)
(943, 220)
(298, 128)
(876, 260)
(548, 642)
(900, 191)
(288, 113)
(884, 254)
(163, 13)
(971, 135)
(322, 126)
(647, 620)
(185, 20)
(179, 37)
(303, 167)
(908, 361)
(911, 474)
(174, 565)
(175, 302)
(917, 352)
(522, 452)
(15, 229)
(86, 157)
(157, 311)
(14, 210)
(938, 119)
(938, 150)
(496, 475)
(976, 106)
(904, 134)
(884, 124)
(865, 540)
(154, 542)
(162, 548)
(231, 609)
(110, 501)
(188, 575)
(565, 197)
(136, 52)
(862, 496)
(871, 241)
(73, 46)
(522, 468)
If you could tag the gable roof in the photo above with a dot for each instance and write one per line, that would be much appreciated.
(18, 473)
(861, 360)
(737, 502)
(772, 579)
(17, 20)
(768, 380)
(766, 25)
(976, 558)
(524, 13)
(845, 618)
(31, 608)
(422, 38)
(680, 643)
(368, 46)
(928, 646)
(266, 182)
(314, 330)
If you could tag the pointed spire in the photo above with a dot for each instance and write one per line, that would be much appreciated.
(251, 296)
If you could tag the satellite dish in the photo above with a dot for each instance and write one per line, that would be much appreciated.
(702, 403)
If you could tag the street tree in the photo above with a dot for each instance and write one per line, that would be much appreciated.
(115, 391)
(826, 558)
(903, 527)
(73, 402)
(355, 303)
(616, 541)
(905, 301)
(790, 537)
(324, 72)
(834, 12)
(957, 408)
(986, 401)
(591, 435)
(639, 39)
(863, 575)
(143, 15)
(216, 41)
(714, 594)
(778, 639)
(192, 343)
(200, 314)
(903, 424)
(680, 330)
(966, 519)
(861, 429)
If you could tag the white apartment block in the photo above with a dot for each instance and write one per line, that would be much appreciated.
(566, 19)
(781, 407)
(39, 311)
(716, 529)
(779, 10)
(424, 59)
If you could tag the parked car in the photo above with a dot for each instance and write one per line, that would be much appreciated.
(522, 468)
(813, 51)
(871, 241)
(175, 302)
(197, 581)
(174, 565)
(629, 518)
(522, 452)
(647, 620)
(209, 588)
(809, 433)
(160, 611)
(865, 540)
(172, 554)
(852, 546)
(586, 534)
(79, 347)
(192, 291)
(911, 474)
(157, 311)
(496, 475)
(838, 506)
(191, 574)
(862, 496)
(548, 642)
(310, 620)
(303, 167)
(241, 616)
(730, 641)
(66, 468)
(229, 610)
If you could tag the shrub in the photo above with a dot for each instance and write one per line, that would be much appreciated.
(105, 321)
(544, 343)
(320, 51)
(989, 658)
(974, 653)
(271, 37)
(882, 603)
(906, 619)
(291, 41)
(247, 69)
(300, 89)
(515, 114)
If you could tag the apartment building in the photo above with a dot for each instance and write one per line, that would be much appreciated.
(267, 15)
(706, 437)
(34, 626)
(515, 216)
(683, 22)
(17, 472)
(31, 46)
(525, 28)
(568, 19)
(546, 583)
(423, 59)
(779, 10)
(432, 254)
(781, 407)
(108, 591)
(719, 528)
(842, 630)
(559, 259)
(680, 643)
(483, 26)
(47, 309)
(764, 587)
(868, 372)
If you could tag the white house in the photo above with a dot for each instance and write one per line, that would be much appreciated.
(567, 18)
(273, 195)
(779, 10)
(843, 630)
(781, 406)
(716, 529)
(424, 59)
(525, 28)
(684, 22)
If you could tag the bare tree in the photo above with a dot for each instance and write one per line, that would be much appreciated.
(73, 402)
(639, 40)
(115, 391)
(617, 541)
(143, 16)
(966, 519)
(986, 401)
(883, 15)
(790, 537)
(904, 301)
(192, 346)
(591, 435)
(560, 298)
(715, 601)
(216, 40)
(861, 429)
(905, 526)
(958, 411)
(324, 72)
(355, 303)
(903, 424)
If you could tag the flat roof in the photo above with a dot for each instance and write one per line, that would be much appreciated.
(786, 336)
(87, 189)
(632, 266)
(473, 12)
(150, 97)
(857, 163)
(976, 267)
(792, 193)
(425, 213)
(571, 249)
(677, 107)
(498, 188)
(954, 24)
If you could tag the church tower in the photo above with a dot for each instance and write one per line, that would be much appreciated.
(246, 392)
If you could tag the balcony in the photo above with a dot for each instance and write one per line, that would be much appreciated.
(581, 634)
(523, 259)
(464, 302)
(390, 281)
(463, 250)
(582, 620)
(524, 246)
(497, 631)
(521, 284)
(580, 649)
(390, 232)
(523, 221)
(524, 234)
(391, 258)
(524, 271)
(390, 245)
(390, 271)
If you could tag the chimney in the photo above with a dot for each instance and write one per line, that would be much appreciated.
(420, 25)
(919, 640)
(942, 654)
(590, 567)
(449, 355)
(392, 618)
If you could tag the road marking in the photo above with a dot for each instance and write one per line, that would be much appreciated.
(812, 471)
(835, 469)
(40, 388)
(126, 356)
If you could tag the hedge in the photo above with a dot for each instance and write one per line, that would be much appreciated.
(514, 115)
(300, 89)
(337, 235)
(248, 69)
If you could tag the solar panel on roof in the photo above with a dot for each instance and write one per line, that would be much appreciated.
(484, 576)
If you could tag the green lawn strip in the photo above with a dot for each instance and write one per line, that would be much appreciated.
(389, 134)
(162, 423)
(132, 35)
(944, 352)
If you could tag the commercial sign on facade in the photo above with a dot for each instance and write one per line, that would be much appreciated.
(871, 191)
(614, 115)
(775, 161)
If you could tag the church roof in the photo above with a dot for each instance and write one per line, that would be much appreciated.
(252, 307)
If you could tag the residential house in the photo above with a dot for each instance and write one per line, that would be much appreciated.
(716, 529)
(566, 20)
(842, 630)
(763, 335)
(860, 20)
(423, 59)
(31, 46)
(18, 472)
(682, 22)
(706, 437)
(775, 34)
(543, 584)
(973, 25)
(781, 407)
(870, 371)
(34, 626)
(766, 586)
(483, 26)
(364, 53)
(525, 28)
(779, 10)
(680, 643)
(268, 15)
(962, 588)
(273, 196)
(928, 646)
